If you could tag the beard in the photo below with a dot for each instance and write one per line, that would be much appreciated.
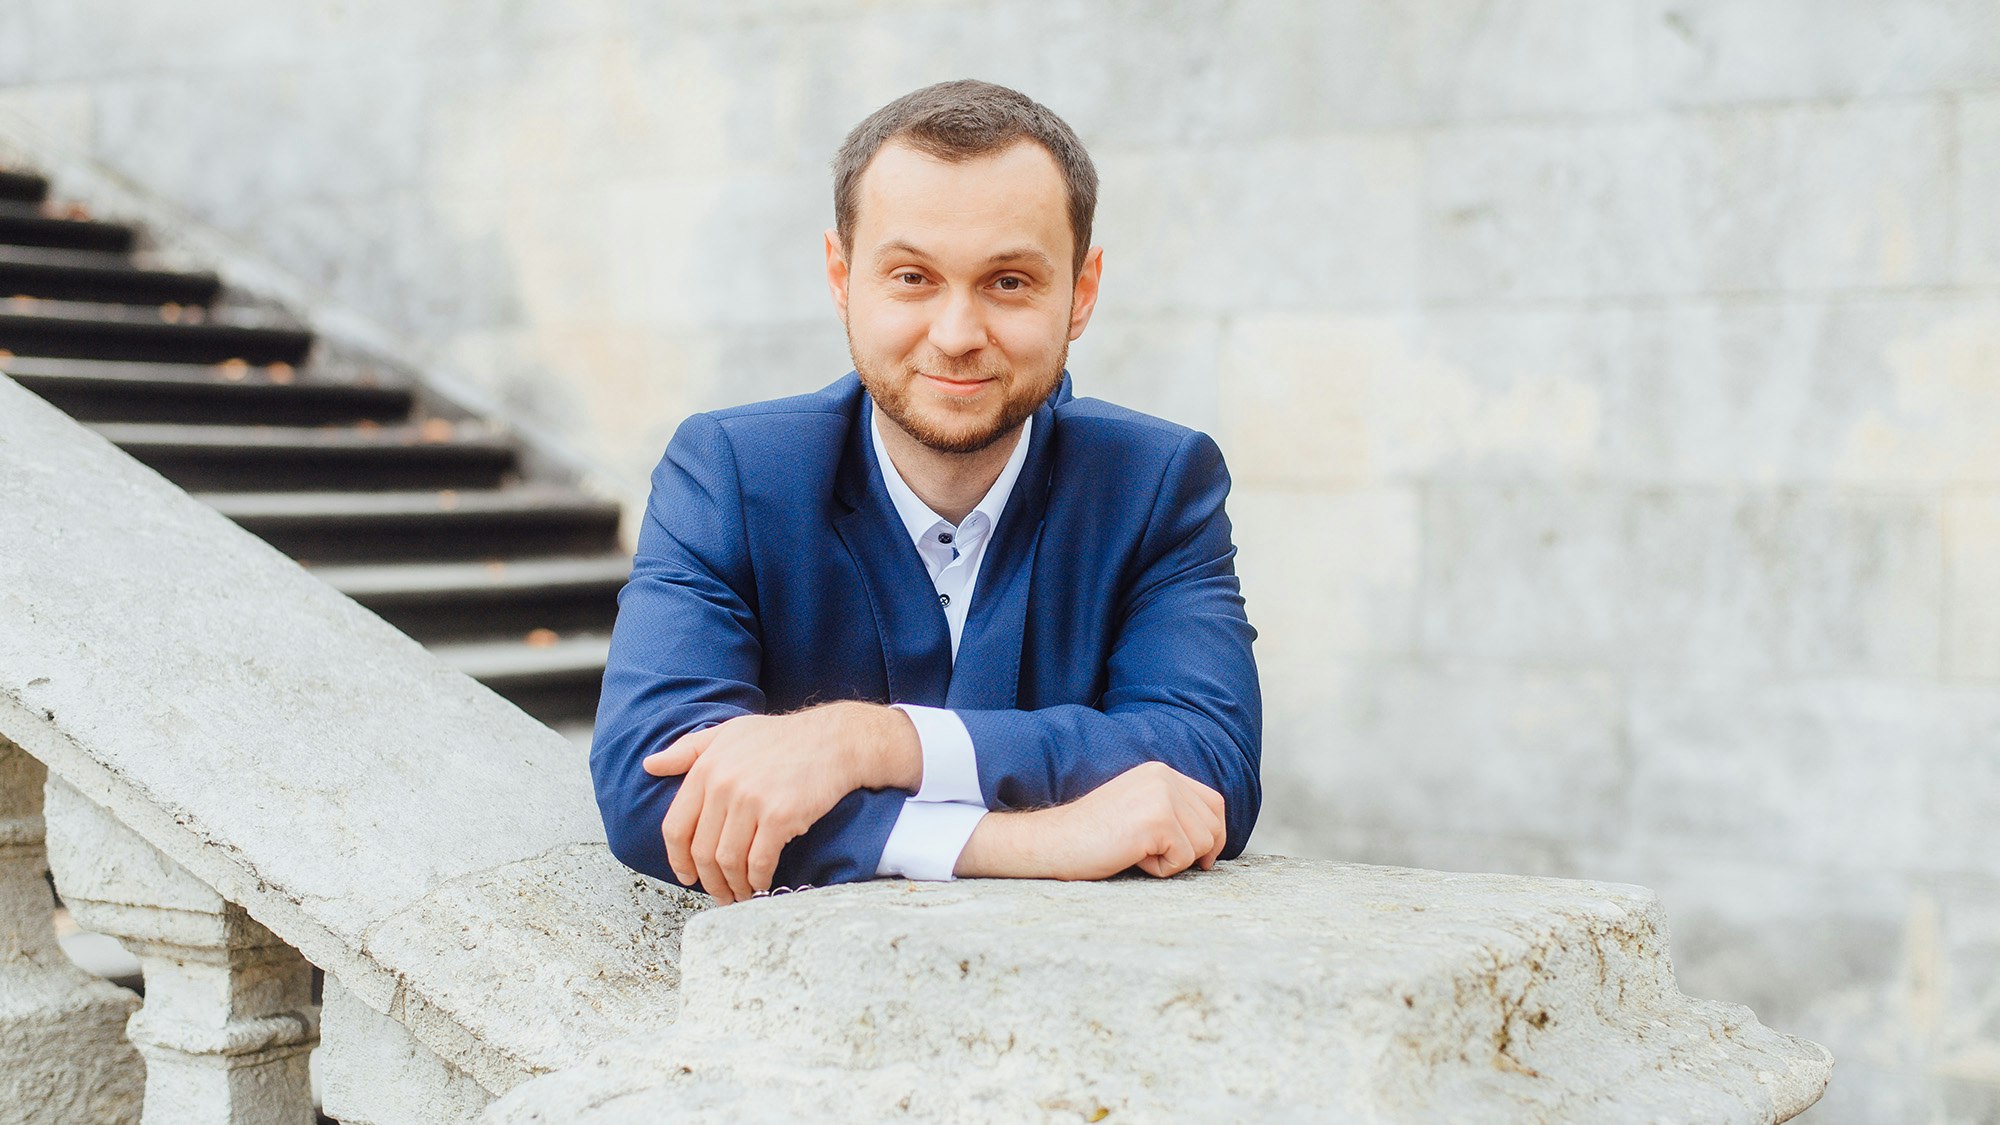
(1020, 398)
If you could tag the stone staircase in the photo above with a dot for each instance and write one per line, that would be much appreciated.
(410, 505)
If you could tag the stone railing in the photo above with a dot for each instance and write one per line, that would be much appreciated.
(248, 777)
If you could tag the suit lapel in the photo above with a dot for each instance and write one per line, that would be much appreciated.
(916, 642)
(988, 670)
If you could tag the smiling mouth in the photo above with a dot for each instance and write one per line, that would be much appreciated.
(957, 388)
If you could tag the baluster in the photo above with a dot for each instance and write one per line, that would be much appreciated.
(63, 1054)
(228, 1023)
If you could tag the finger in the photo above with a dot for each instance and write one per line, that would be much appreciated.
(1207, 830)
(705, 835)
(732, 849)
(678, 827)
(681, 756)
(1178, 854)
(764, 853)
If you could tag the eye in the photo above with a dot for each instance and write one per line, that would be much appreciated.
(1011, 284)
(910, 277)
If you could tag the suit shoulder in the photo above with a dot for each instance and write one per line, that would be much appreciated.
(1122, 430)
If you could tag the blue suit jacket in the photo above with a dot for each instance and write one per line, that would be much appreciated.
(772, 573)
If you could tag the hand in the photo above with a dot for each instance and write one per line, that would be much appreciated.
(1151, 816)
(754, 783)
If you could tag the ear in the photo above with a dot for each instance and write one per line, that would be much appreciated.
(1083, 295)
(836, 273)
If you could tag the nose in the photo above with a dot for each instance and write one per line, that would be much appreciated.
(959, 326)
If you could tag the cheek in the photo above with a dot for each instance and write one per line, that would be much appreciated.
(891, 326)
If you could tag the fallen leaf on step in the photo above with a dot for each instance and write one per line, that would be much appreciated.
(279, 372)
(233, 369)
(541, 638)
(447, 499)
(437, 429)
(170, 312)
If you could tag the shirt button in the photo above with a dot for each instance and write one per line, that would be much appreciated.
(944, 599)
(944, 536)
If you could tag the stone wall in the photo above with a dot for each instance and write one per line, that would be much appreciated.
(1612, 386)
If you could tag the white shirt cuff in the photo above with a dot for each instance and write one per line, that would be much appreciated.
(927, 839)
(951, 771)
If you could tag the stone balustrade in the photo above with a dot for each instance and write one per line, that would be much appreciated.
(248, 776)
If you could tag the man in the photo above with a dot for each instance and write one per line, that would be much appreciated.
(941, 618)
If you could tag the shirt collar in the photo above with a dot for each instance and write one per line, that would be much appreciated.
(918, 519)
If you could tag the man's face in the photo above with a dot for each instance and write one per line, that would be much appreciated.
(958, 295)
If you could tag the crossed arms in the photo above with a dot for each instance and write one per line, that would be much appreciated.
(699, 784)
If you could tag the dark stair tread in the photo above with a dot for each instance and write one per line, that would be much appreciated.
(87, 330)
(119, 390)
(24, 186)
(23, 223)
(186, 437)
(91, 275)
(439, 504)
(509, 576)
(515, 661)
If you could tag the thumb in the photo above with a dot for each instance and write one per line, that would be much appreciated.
(680, 757)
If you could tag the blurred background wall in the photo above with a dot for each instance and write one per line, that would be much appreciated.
(1612, 387)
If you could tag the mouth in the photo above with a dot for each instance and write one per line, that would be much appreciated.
(957, 388)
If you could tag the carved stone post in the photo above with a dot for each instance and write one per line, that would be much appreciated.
(228, 1023)
(63, 1055)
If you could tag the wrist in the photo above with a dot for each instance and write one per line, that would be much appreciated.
(879, 744)
(1013, 845)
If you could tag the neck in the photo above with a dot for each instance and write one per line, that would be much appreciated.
(950, 484)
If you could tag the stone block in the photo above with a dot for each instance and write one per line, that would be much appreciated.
(343, 131)
(1325, 574)
(1972, 586)
(1296, 400)
(1404, 995)
(1693, 579)
(1789, 582)
(1848, 390)
(1280, 225)
(1732, 201)
(1840, 773)
(1525, 572)
(1713, 52)
(1445, 751)
(1169, 367)
(373, 1073)
(1976, 189)
(1486, 393)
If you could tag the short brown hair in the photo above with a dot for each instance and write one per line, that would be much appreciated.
(954, 121)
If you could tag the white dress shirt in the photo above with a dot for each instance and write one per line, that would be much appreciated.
(935, 824)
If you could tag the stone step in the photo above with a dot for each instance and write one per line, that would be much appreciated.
(106, 391)
(78, 330)
(89, 275)
(24, 186)
(525, 521)
(445, 601)
(409, 456)
(23, 223)
(555, 679)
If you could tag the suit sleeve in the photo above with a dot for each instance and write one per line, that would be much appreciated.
(1182, 683)
(685, 654)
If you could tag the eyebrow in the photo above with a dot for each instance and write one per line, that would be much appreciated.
(1026, 254)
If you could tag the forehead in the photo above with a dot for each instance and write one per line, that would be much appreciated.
(1013, 195)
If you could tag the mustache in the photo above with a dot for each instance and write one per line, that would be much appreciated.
(957, 371)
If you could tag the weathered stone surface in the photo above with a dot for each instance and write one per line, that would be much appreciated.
(452, 868)
(373, 1072)
(1268, 987)
(1755, 581)
(63, 1054)
(1731, 201)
